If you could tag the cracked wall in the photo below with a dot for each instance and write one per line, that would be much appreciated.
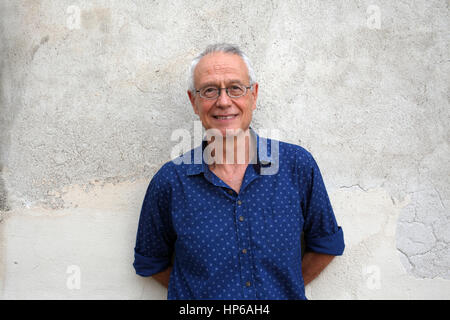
(90, 92)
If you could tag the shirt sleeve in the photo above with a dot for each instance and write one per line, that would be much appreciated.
(155, 236)
(321, 232)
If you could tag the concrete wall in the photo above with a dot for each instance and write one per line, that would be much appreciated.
(90, 92)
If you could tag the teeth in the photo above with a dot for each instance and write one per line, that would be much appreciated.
(224, 117)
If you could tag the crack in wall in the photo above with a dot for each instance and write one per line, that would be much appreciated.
(353, 185)
(420, 235)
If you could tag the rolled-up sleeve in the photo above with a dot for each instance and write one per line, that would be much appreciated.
(155, 236)
(321, 231)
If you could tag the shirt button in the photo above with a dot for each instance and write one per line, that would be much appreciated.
(230, 192)
(244, 251)
(248, 284)
(241, 218)
(239, 202)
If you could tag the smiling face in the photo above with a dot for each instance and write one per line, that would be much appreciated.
(223, 70)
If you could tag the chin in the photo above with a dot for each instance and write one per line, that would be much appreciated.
(232, 132)
(227, 131)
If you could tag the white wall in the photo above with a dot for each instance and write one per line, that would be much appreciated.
(90, 92)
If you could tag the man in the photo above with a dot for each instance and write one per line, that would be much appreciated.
(233, 228)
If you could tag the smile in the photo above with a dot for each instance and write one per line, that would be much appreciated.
(228, 117)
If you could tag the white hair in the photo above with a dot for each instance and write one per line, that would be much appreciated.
(225, 48)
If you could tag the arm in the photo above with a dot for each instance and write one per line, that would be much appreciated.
(323, 238)
(163, 277)
(312, 265)
(155, 235)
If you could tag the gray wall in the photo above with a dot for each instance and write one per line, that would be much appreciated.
(90, 92)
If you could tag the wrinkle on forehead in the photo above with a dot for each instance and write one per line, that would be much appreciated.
(219, 66)
(220, 69)
(214, 65)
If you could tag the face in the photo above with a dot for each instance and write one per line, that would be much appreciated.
(222, 70)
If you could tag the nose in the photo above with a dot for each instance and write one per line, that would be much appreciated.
(223, 101)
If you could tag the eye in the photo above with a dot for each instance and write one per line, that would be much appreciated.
(209, 90)
(235, 90)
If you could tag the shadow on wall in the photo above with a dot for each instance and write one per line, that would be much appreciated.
(3, 194)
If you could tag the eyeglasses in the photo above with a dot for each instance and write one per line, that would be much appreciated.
(234, 91)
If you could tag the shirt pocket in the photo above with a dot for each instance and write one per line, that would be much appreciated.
(283, 224)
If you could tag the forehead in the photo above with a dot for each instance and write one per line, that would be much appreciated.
(220, 66)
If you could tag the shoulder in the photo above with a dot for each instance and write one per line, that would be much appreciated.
(166, 174)
(292, 154)
(296, 150)
(177, 168)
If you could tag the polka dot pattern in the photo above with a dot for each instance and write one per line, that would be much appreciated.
(236, 246)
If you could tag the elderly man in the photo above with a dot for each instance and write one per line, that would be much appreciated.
(234, 227)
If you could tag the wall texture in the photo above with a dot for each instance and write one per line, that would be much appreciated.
(90, 92)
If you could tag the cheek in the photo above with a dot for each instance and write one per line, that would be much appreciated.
(250, 107)
(253, 104)
(203, 110)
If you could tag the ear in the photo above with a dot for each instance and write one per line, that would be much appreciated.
(254, 93)
(192, 99)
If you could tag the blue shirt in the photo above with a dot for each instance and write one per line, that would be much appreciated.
(236, 246)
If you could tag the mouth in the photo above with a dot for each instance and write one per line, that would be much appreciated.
(225, 117)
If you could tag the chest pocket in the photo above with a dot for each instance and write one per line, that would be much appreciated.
(283, 224)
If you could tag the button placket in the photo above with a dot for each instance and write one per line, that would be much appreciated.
(245, 258)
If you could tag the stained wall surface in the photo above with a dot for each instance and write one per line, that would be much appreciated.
(91, 92)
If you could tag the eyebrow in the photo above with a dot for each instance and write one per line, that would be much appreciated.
(214, 84)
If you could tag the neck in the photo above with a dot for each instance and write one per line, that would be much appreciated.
(237, 150)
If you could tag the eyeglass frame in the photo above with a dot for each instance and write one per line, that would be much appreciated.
(226, 90)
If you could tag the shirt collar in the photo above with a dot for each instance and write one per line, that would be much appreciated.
(264, 158)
